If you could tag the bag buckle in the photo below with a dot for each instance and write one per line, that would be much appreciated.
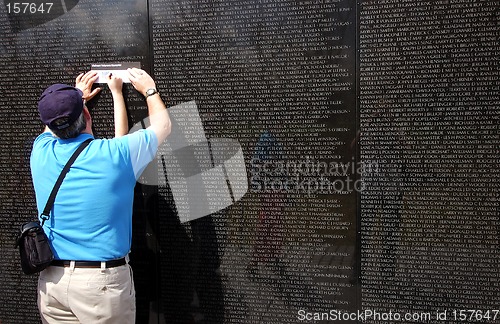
(44, 217)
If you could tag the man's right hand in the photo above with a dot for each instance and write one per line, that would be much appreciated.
(158, 114)
(141, 80)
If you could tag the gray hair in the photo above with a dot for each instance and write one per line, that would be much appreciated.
(73, 130)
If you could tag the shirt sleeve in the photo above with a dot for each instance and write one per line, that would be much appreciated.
(41, 141)
(143, 145)
(43, 138)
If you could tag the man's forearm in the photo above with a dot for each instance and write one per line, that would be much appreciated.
(158, 117)
(120, 114)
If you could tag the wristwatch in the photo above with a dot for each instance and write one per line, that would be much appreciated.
(150, 92)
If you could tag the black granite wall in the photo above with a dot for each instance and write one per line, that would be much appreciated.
(369, 136)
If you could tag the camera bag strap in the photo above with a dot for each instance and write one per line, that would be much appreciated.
(50, 202)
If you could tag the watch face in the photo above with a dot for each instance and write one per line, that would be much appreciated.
(150, 92)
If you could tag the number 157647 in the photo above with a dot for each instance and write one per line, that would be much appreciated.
(28, 7)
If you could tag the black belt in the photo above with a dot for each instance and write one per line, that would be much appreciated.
(89, 264)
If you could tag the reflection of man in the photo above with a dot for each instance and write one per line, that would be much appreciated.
(90, 224)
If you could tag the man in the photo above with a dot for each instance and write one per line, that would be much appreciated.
(90, 225)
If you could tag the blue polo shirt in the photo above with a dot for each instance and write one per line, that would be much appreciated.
(92, 215)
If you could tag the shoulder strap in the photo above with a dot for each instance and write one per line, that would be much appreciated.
(50, 202)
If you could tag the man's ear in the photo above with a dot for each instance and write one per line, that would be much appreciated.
(86, 114)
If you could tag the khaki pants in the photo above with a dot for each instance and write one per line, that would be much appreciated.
(86, 295)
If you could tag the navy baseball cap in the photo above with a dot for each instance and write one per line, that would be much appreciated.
(59, 101)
